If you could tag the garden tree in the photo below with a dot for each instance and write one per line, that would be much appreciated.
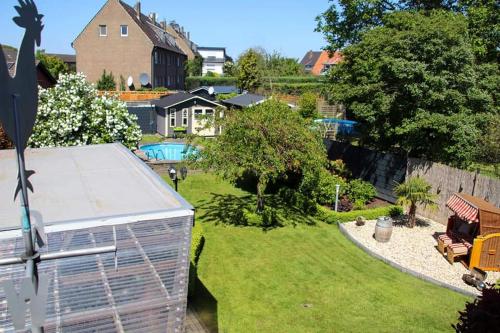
(106, 82)
(229, 69)
(489, 144)
(481, 314)
(413, 83)
(73, 114)
(53, 64)
(250, 68)
(268, 141)
(345, 21)
(415, 191)
(308, 105)
(278, 65)
(194, 66)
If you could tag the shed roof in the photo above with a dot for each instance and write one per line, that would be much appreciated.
(178, 98)
(245, 100)
(91, 184)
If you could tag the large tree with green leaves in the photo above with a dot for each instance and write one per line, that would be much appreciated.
(268, 141)
(194, 66)
(414, 83)
(53, 64)
(250, 67)
(345, 21)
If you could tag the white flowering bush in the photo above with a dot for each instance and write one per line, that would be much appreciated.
(73, 114)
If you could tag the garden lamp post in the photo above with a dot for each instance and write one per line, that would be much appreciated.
(172, 172)
(337, 188)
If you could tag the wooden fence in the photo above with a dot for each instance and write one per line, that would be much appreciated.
(384, 170)
(129, 96)
(446, 181)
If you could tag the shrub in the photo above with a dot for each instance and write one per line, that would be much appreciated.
(73, 114)
(339, 168)
(296, 89)
(307, 105)
(223, 97)
(482, 314)
(360, 192)
(330, 216)
(197, 243)
(322, 186)
(296, 199)
(252, 218)
(106, 82)
(396, 211)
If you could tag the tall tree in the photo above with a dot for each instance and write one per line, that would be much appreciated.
(344, 22)
(267, 140)
(250, 68)
(414, 83)
(53, 64)
(194, 66)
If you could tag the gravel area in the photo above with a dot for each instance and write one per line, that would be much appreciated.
(416, 249)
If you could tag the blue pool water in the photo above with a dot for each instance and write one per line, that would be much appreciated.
(167, 151)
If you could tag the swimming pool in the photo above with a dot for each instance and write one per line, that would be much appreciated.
(168, 151)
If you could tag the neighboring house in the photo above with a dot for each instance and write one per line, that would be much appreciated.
(244, 100)
(188, 111)
(211, 92)
(309, 60)
(68, 59)
(213, 59)
(122, 40)
(318, 63)
(44, 77)
(182, 38)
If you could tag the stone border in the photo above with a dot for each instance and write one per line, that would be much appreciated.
(421, 276)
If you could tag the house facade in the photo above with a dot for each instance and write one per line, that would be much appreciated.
(122, 40)
(213, 59)
(319, 62)
(186, 111)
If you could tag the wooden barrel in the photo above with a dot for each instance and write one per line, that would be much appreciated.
(383, 229)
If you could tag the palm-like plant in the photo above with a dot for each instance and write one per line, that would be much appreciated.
(412, 192)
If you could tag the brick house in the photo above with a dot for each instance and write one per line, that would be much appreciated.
(319, 62)
(122, 40)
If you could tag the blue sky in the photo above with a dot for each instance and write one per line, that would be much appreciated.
(286, 26)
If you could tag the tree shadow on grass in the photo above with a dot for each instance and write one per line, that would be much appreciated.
(234, 210)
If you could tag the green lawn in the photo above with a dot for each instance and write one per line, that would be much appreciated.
(304, 278)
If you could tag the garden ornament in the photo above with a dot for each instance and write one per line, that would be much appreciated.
(18, 109)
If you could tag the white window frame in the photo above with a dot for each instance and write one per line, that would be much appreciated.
(185, 117)
(171, 116)
(105, 32)
(121, 30)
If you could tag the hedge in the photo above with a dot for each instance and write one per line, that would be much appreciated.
(197, 242)
(294, 88)
(285, 82)
(331, 217)
(198, 81)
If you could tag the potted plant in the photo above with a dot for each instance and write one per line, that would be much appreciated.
(179, 132)
(360, 221)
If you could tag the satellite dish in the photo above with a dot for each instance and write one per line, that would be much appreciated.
(144, 78)
(130, 81)
(211, 90)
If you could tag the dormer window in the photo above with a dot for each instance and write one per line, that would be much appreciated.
(124, 30)
(103, 30)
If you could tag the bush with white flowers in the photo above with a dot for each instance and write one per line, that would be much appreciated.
(73, 114)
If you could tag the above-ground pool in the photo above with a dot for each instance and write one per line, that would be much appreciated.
(167, 151)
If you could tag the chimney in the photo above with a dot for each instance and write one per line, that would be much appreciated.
(188, 35)
(163, 25)
(152, 16)
(137, 8)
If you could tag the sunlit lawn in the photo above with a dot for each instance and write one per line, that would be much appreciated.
(304, 278)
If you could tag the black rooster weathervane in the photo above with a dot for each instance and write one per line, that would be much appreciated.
(18, 109)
